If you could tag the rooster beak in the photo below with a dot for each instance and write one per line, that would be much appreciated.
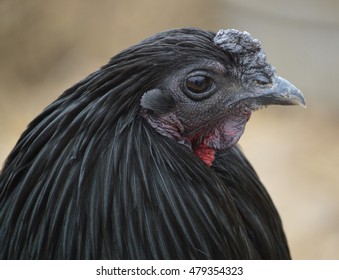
(282, 92)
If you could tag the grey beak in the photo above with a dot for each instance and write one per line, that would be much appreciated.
(282, 92)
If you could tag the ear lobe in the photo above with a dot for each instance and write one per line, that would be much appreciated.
(157, 101)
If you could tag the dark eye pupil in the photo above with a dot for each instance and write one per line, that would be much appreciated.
(198, 84)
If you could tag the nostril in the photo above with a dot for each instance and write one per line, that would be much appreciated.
(261, 80)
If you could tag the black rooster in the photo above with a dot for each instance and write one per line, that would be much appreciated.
(139, 160)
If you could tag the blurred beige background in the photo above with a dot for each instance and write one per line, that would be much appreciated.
(46, 46)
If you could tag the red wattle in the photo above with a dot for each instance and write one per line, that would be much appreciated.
(205, 153)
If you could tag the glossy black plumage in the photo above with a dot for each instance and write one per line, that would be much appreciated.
(90, 178)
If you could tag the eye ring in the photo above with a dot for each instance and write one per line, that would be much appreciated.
(199, 86)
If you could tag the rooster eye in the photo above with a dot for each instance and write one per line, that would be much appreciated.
(199, 87)
(198, 84)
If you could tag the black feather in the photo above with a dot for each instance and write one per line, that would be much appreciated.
(90, 179)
